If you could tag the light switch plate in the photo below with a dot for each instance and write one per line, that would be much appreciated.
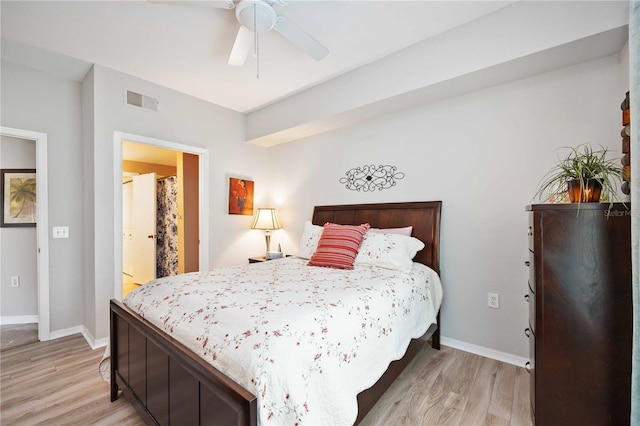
(60, 232)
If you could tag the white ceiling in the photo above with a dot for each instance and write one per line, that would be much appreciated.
(186, 47)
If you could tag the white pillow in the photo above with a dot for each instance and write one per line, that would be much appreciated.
(309, 241)
(402, 231)
(391, 251)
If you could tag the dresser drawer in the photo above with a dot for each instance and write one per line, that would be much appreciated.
(532, 271)
(530, 231)
(532, 308)
(531, 368)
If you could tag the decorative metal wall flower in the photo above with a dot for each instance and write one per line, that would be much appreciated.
(370, 177)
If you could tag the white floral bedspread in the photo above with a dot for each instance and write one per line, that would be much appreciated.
(305, 340)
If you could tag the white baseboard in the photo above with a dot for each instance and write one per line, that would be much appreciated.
(20, 319)
(485, 352)
(57, 334)
(95, 344)
(81, 329)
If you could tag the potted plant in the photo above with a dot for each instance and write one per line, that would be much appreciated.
(583, 175)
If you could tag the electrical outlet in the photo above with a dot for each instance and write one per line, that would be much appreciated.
(493, 300)
(15, 281)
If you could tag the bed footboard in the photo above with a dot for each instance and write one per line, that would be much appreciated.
(167, 383)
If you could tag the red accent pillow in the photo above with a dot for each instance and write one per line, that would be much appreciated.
(338, 245)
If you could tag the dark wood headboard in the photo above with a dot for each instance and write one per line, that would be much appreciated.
(424, 216)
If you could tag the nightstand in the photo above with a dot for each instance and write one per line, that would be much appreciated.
(259, 259)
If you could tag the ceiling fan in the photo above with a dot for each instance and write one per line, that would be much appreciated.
(257, 16)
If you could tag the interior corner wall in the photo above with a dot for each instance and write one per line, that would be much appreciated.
(19, 244)
(88, 225)
(483, 155)
(181, 119)
(42, 102)
(623, 57)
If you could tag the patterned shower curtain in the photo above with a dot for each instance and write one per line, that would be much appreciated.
(167, 227)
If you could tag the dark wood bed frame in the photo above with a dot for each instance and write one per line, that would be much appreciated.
(169, 384)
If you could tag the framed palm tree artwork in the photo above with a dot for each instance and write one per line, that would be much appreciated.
(18, 197)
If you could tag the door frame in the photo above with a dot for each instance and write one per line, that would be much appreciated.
(203, 194)
(42, 227)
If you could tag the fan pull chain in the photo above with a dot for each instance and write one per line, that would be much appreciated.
(256, 48)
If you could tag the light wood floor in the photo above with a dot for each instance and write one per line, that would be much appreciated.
(57, 382)
(14, 335)
(452, 387)
(128, 285)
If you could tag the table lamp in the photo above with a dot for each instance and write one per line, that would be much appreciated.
(266, 220)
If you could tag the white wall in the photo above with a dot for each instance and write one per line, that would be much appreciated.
(42, 102)
(19, 245)
(482, 154)
(88, 234)
(624, 69)
(181, 119)
(80, 119)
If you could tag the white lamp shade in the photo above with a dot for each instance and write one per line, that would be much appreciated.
(266, 219)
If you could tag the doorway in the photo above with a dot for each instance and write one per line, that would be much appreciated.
(190, 160)
(42, 235)
(160, 213)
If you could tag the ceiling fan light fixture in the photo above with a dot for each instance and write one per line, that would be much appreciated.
(229, 4)
(265, 17)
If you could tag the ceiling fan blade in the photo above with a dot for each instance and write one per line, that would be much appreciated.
(216, 4)
(301, 39)
(241, 47)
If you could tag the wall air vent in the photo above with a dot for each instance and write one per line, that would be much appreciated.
(141, 101)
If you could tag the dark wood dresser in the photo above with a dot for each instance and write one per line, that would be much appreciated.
(580, 317)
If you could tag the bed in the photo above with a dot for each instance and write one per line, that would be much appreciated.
(169, 382)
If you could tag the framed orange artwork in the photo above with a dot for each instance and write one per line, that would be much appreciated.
(240, 196)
